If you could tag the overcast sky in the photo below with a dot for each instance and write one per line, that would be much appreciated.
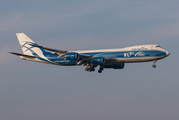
(36, 91)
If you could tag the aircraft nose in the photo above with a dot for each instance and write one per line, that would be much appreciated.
(167, 53)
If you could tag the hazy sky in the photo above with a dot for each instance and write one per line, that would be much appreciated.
(36, 91)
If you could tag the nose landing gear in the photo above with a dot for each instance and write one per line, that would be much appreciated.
(154, 66)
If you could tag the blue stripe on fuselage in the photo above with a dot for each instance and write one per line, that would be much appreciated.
(122, 54)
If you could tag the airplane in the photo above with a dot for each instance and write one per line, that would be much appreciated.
(104, 58)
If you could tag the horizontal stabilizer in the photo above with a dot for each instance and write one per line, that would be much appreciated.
(29, 56)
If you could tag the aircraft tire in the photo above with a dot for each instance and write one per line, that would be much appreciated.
(154, 66)
(86, 69)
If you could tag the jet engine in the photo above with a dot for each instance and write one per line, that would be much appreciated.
(72, 56)
(98, 60)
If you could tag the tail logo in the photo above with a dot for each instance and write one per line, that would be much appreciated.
(28, 48)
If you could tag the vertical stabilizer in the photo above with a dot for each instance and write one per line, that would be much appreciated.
(27, 49)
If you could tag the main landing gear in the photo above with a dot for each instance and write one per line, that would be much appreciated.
(91, 68)
(100, 69)
(154, 66)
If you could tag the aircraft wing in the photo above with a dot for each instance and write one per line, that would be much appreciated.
(83, 57)
(57, 52)
(61, 53)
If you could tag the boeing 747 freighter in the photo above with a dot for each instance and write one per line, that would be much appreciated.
(104, 58)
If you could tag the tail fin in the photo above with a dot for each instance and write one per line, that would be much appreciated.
(27, 49)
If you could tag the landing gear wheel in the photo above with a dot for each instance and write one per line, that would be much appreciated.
(86, 69)
(154, 66)
(89, 69)
(101, 68)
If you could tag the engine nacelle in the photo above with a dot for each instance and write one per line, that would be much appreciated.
(98, 60)
(72, 56)
(117, 66)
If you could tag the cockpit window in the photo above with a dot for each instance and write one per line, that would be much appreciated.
(157, 46)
